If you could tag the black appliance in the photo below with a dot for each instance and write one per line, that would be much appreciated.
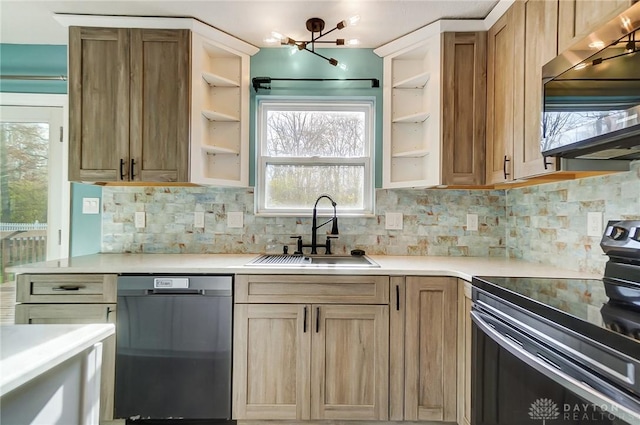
(592, 105)
(560, 351)
(174, 349)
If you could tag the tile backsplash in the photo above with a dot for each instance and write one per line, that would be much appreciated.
(545, 223)
(434, 223)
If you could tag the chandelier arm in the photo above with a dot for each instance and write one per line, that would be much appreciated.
(318, 54)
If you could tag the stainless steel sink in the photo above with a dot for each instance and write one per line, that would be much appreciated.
(279, 260)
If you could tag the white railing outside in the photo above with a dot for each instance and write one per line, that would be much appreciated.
(13, 227)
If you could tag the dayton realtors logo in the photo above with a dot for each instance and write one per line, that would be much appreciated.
(544, 409)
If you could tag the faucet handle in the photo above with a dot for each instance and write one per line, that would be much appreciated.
(298, 245)
(327, 245)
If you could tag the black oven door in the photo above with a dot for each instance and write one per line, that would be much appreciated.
(518, 380)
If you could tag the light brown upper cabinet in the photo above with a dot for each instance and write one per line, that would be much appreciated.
(501, 75)
(433, 109)
(129, 104)
(578, 18)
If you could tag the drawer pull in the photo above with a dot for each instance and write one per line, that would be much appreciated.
(68, 288)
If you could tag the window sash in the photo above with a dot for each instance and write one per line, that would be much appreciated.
(348, 105)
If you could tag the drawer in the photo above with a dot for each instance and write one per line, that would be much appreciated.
(66, 288)
(328, 289)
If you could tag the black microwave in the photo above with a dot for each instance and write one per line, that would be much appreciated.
(591, 110)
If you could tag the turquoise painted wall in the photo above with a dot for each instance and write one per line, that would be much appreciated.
(278, 62)
(86, 229)
(33, 59)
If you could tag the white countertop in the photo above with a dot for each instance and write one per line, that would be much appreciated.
(461, 267)
(28, 351)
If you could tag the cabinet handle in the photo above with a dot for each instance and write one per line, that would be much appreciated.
(545, 162)
(109, 311)
(304, 320)
(398, 297)
(133, 162)
(67, 288)
(317, 319)
(121, 169)
(504, 167)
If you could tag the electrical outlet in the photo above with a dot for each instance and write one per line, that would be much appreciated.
(139, 219)
(472, 222)
(235, 219)
(393, 221)
(594, 224)
(90, 205)
(198, 219)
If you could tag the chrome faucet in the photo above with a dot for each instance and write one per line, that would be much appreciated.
(314, 228)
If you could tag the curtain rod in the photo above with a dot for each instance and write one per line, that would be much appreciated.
(34, 77)
(259, 81)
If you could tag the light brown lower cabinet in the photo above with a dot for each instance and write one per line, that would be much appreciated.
(302, 361)
(464, 352)
(423, 349)
(73, 299)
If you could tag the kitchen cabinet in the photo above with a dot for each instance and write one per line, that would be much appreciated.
(73, 299)
(310, 358)
(128, 104)
(423, 349)
(578, 18)
(464, 352)
(433, 109)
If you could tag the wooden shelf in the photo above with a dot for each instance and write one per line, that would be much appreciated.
(218, 80)
(219, 150)
(218, 116)
(419, 153)
(415, 82)
(413, 118)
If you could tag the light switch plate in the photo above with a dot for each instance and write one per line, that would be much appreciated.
(594, 224)
(393, 221)
(90, 205)
(198, 219)
(140, 219)
(472, 222)
(235, 219)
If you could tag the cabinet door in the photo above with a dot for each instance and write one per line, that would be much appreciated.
(500, 101)
(464, 352)
(80, 314)
(578, 18)
(98, 104)
(464, 107)
(350, 362)
(159, 105)
(271, 357)
(430, 349)
(534, 47)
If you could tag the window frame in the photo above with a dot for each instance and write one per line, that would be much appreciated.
(364, 104)
(59, 193)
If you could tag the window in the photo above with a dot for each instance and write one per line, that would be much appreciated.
(308, 147)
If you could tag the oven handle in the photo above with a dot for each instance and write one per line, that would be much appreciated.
(549, 370)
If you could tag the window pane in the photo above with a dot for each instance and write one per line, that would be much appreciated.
(298, 186)
(315, 133)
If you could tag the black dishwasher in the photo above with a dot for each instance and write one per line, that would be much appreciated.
(173, 353)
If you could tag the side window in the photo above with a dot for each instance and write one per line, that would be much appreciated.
(309, 147)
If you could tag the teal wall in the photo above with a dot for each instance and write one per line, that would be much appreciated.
(33, 59)
(85, 229)
(278, 62)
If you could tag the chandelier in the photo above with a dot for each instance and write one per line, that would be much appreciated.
(316, 27)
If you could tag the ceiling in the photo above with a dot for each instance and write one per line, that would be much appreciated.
(31, 21)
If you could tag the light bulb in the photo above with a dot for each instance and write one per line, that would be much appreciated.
(271, 40)
(351, 21)
(354, 19)
(353, 42)
(343, 66)
(277, 35)
(596, 44)
(580, 66)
